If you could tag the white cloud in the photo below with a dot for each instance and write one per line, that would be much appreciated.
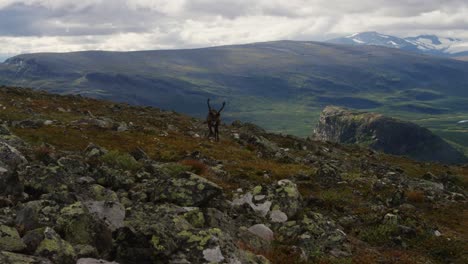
(66, 25)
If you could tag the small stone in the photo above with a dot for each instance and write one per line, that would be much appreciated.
(390, 219)
(85, 180)
(339, 253)
(262, 209)
(113, 214)
(276, 216)
(14, 258)
(213, 255)
(262, 231)
(259, 197)
(94, 261)
(122, 127)
(437, 233)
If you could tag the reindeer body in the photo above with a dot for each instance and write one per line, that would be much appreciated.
(213, 120)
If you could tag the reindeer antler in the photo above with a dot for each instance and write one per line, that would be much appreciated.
(209, 107)
(222, 107)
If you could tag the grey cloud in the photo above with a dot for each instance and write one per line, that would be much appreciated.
(65, 25)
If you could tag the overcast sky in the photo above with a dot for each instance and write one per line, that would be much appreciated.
(70, 25)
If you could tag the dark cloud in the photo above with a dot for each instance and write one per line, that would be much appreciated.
(65, 25)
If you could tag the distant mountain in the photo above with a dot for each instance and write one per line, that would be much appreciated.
(428, 44)
(281, 85)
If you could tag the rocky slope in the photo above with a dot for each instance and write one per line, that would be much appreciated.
(86, 181)
(385, 134)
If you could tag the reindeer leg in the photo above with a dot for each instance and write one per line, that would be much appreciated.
(217, 132)
(210, 128)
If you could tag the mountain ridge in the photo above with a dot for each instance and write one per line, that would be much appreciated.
(426, 44)
(281, 85)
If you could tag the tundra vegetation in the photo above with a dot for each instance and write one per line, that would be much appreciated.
(84, 179)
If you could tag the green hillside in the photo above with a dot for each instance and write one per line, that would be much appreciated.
(280, 85)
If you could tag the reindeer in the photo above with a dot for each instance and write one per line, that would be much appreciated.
(213, 120)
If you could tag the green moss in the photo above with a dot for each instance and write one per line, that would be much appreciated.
(351, 176)
(200, 187)
(53, 245)
(100, 193)
(17, 258)
(76, 224)
(181, 223)
(174, 169)
(379, 235)
(58, 249)
(10, 239)
(195, 218)
(201, 238)
(291, 191)
(257, 190)
(121, 160)
(156, 243)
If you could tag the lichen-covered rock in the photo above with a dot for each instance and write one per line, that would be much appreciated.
(29, 123)
(35, 214)
(7, 216)
(168, 232)
(73, 164)
(328, 175)
(112, 213)
(39, 179)
(287, 198)
(277, 216)
(94, 261)
(11, 156)
(187, 189)
(262, 231)
(10, 239)
(55, 248)
(85, 251)
(97, 192)
(261, 209)
(148, 233)
(282, 197)
(114, 178)
(315, 233)
(94, 151)
(33, 239)
(213, 255)
(14, 258)
(10, 183)
(80, 227)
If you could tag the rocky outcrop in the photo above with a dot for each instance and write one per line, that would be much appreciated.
(384, 134)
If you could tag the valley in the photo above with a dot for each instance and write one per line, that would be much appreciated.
(280, 85)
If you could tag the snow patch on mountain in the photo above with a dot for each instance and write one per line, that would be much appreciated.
(429, 44)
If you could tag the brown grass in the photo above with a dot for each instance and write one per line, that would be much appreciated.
(196, 166)
(415, 196)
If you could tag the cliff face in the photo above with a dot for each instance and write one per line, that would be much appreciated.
(384, 134)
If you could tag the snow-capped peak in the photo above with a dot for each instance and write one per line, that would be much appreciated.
(423, 43)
